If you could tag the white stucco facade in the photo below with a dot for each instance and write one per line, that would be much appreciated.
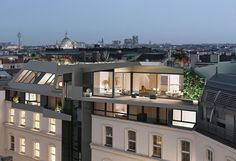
(30, 134)
(170, 147)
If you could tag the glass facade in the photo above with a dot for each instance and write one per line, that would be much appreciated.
(142, 84)
(103, 84)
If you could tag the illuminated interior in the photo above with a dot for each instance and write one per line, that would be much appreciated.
(158, 84)
(103, 84)
(184, 118)
(142, 84)
(32, 99)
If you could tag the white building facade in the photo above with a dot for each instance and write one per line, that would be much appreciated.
(173, 144)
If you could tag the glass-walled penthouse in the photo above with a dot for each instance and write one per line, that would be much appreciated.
(138, 84)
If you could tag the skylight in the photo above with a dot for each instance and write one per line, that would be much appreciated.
(34, 77)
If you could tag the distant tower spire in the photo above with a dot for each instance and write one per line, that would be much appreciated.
(170, 54)
(66, 35)
(102, 42)
(19, 40)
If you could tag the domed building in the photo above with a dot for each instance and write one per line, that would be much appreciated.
(67, 43)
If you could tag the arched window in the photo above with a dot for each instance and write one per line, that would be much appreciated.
(185, 150)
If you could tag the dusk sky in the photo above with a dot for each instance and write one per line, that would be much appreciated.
(161, 21)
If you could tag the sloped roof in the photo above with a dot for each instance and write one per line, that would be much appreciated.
(223, 68)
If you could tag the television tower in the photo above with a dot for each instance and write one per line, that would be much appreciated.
(19, 40)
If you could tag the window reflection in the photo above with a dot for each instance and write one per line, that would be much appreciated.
(161, 85)
(103, 84)
(122, 84)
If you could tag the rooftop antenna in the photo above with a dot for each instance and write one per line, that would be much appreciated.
(19, 40)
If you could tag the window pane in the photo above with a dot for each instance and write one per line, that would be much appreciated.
(108, 131)
(145, 84)
(30, 77)
(185, 146)
(51, 80)
(185, 157)
(157, 146)
(177, 115)
(156, 140)
(52, 153)
(122, 83)
(157, 151)
(209, 155)
(18, 79)
(132, 135)
(121, 108)
(132, 146)
(103, 84)
(45, 78)
(189, 116)
(108, 141)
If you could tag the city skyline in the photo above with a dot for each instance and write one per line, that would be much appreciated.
(89, 21)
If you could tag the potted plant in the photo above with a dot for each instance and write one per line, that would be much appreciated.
(15, 99)
(58, 107)
(88, 92)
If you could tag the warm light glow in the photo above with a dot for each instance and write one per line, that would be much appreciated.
(52, 153)
(60, 84)
(52, 125)
(22, 145)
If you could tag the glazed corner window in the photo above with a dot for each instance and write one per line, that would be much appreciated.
(103, 84)
(209, 155)
(131, 141)
(11, 115)
(185, 150)
(12, 143)
(52, 153)
(22, 145)
(184, 118)
(108, 136)
(32, 99)
(157, 141)
(36, 150)
(36, 121)
(52, 125)
(22, 118)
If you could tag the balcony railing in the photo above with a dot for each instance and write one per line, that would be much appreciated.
(141, 117)
(221, 134)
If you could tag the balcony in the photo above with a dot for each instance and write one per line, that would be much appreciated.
(153, 115)
(220, 134)
(145, 101)
(39, 109)
(73, 92)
